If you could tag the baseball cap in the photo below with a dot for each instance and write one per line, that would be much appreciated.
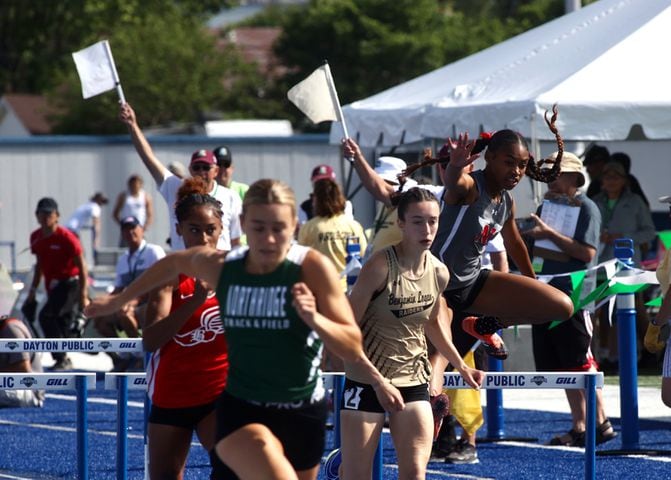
(223, 156)
(665, 199)
(100, 198)
(389, 168)
(570, 163)
(129, 221)
(320, 172)
(203, 156)
(46, 205)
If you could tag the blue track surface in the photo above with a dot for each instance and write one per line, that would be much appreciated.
(41, 444)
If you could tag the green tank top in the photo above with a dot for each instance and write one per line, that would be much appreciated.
(273, 355)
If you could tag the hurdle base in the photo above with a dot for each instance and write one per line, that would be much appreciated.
(506, 439)
(624, 453)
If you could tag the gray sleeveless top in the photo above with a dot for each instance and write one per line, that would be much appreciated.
(465, 230)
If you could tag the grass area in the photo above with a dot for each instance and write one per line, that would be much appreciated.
(647, 377)
(643, 380)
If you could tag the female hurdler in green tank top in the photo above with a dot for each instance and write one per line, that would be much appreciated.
(278, 304)
(397, 301)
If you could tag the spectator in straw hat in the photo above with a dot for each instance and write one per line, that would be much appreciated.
(565, 346)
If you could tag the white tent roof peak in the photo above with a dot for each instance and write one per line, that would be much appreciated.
(598, 64)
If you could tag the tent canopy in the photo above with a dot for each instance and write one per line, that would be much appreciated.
(605, 65)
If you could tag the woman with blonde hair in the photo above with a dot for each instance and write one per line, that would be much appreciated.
(279, 302)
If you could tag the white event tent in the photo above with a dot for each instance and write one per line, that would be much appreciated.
(606, 66)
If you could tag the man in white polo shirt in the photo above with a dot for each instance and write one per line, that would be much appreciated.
(139, 257)
(203, 164)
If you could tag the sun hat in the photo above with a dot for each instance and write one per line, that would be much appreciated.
(389, 168)
(570, 163)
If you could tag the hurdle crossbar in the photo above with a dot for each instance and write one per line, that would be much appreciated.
(80, 383)
(132, 345)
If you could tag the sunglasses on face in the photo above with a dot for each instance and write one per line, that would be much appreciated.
(201, 167)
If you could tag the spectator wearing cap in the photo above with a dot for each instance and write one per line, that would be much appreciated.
(60, 260)
(327, 231)
(596, 158)
(566, 347)
(136, 202)
(203, 164)
(88, 215)
(225, 176)
(306, 209)
(624, 215)
(139, 257)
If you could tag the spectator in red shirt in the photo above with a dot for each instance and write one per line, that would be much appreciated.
(60, 260)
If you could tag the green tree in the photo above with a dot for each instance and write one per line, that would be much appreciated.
(170, 66)
(372, 45)
(171, 70)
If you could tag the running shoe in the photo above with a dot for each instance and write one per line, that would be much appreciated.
(464, 453)
(440, 406)
(484, 329)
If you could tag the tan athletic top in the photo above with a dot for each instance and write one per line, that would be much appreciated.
(393, 324)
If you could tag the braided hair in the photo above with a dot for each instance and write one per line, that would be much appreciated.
(493, 142)
(193, 193)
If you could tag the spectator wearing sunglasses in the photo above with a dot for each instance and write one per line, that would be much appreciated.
(203, 164)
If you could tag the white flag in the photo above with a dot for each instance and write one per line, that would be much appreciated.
(315, 96)
(96, 69)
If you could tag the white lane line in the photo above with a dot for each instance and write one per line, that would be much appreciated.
(579, 450)
(105, 433)
(442, 473)
(100, 400)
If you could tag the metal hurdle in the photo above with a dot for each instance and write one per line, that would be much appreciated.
(80, 383)
(522, 380)
(59, 381)
(122, 382)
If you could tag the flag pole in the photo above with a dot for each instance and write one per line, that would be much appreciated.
(117, 82)
(336, 102)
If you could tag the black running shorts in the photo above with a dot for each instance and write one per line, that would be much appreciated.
(565, 346)
(301, 428)
(361, 396)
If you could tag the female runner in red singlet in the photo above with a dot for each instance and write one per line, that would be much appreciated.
(189, 361)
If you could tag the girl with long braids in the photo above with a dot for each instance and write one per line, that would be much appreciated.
(279, 302)
(476, 207)
(183, 330)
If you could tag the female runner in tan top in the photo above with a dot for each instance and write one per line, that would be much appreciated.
(397, 302)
